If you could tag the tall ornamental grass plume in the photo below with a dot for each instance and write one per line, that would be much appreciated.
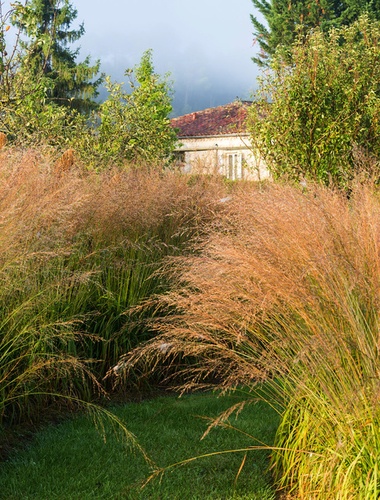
(77, 250)
(284, 294)
(38, 361)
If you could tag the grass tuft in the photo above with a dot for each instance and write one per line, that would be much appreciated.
(286, 290)
(78, 250)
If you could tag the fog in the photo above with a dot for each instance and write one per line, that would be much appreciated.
(205, 45)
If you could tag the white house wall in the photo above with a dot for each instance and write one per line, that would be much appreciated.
(223, 155)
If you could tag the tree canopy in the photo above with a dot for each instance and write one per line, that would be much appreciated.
(312, 117)
(284, 20)
(46, 52)
(136, 125)
(47, 97)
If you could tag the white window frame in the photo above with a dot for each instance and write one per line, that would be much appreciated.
(234, 165)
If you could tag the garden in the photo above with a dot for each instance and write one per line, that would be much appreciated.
(171, 335)
(133, 282)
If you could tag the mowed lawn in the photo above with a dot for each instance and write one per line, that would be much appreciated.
(72, 461)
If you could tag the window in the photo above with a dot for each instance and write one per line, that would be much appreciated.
(234, 166)
(179, 157)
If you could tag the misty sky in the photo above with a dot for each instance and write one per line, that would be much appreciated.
(206, 45)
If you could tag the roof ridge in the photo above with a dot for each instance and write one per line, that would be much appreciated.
(241, 102)
(219, 120)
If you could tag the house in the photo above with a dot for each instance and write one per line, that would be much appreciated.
(216, 140)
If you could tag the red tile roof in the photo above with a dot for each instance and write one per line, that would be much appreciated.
(222, 120)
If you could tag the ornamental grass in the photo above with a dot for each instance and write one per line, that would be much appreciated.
(284, 294)
(77, 250)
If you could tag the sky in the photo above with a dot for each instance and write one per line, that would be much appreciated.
(205, 45)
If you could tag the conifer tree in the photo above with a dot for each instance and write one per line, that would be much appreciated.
(46, 52)
(287, 19)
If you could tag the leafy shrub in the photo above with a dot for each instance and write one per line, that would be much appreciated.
(311, 115)
(135, 126)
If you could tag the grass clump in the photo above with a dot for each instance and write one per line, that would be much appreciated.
(276, 285)
(286, 290)
(78, 249)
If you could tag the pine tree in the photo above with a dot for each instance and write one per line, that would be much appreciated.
(46, 52)
(286, 19)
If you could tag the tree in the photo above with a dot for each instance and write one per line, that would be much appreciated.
(312, 115)
(46, 53)
(42, 87)
(288, 19)
(136, 126)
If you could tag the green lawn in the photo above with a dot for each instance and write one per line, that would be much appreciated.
(72, 461)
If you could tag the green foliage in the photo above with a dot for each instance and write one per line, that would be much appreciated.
(46, 96)
(29, 117)
(37, 353)
(310, 117)
(47, 26)
(285, 20)
(135, 126)
(79, 251)
(336, 457)
(41, 85)
(285, 289)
